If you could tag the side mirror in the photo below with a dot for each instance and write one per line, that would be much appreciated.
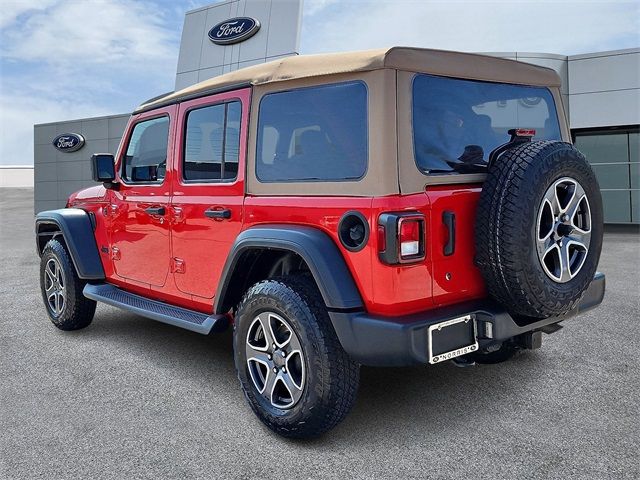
(103, 168)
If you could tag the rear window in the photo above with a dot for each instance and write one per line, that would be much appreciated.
(313, 134)
(457, 123)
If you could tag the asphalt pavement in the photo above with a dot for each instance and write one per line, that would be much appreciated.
(130, 398)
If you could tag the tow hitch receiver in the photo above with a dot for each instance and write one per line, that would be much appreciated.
(452, 338)
(531, 340)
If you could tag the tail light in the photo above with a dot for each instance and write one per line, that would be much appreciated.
(401, 238)
(410, 237)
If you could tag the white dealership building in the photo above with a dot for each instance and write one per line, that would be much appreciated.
(601, 94)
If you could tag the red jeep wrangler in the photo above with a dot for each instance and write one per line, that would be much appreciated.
(388, 207)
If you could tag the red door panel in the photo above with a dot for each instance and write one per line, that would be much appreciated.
(207, 212)
(140, 226)
(201, 244)
(140, 241)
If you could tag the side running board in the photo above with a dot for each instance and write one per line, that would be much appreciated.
(162, 312)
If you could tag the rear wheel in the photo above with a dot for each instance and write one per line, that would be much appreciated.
(61, 289)
(293, 370)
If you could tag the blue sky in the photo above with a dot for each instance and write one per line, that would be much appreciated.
(66, 59)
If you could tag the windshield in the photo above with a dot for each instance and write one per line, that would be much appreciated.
(457, 123)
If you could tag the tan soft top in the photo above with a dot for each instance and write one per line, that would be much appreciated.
(436, 62)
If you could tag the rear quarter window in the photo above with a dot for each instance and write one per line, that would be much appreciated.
(313, 134)
(457, 123)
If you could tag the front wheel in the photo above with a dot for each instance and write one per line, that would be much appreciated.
(294, 373)
(61, 289)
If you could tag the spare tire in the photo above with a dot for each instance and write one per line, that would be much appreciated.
(539, 228)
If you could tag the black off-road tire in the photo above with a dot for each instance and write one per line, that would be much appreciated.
(506, 228)
(331, 385)
(76, 311)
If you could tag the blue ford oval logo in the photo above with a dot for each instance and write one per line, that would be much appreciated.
(68, 142)
(234, 30)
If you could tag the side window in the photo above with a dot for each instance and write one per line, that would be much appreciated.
(212, 143)
(313, 134)
(146, 157)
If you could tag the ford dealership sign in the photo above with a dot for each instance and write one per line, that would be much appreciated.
(68, 142)
(234, 30)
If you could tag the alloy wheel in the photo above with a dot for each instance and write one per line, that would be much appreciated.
(54, 284)
(563, 230)
(275, 360)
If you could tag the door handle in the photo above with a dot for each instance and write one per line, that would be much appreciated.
(155, 210)
(224, 213)
(449, 220)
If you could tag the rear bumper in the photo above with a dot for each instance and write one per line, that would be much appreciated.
(384, 341)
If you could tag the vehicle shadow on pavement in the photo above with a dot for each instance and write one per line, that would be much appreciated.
(192, 353)
(412, 399)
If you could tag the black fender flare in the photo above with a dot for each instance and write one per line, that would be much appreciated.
(328, 267)
(76, 228)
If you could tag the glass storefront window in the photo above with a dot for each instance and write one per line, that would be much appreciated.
(634, 158)
(612, 176)
(635, 206)
(635, 175)
(615, 159)
(606, 148)
(617, 206)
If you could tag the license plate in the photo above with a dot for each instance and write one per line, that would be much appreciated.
(452, 338)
